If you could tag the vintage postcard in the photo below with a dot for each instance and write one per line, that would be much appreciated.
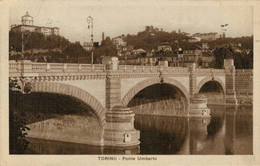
(129, 82)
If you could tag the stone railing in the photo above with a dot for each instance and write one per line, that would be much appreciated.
(136, 68)
(27, 66)
(210, 70)
(244, 72)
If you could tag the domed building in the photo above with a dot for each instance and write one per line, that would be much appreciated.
(27, 19)
(27, 26)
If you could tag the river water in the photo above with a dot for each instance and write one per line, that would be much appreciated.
(228, 131)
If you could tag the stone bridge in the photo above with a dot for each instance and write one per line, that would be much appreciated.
(108, 88)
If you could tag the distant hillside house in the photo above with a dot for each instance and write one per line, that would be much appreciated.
(139, 52)
(27, 25)
(194, 40)
(192, 52)
(207, 36)
(148, 60)
(128, 48)
(151, 53)
(118, 42)
(204, 46)
(87, 46)
(164, 47)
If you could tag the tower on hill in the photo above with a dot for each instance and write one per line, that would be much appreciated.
(27, 19)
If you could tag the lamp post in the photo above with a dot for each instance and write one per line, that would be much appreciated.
(24, 42)
(224, 29)
(90, 25)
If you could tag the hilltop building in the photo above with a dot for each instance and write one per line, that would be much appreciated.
(118, 42)
(194, 40)
(27, 25)
(165, 47)
(87, 46)
(207, 36)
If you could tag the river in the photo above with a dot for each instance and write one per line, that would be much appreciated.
(228, 131)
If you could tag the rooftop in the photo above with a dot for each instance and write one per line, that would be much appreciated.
(26, 15)
(35, 26)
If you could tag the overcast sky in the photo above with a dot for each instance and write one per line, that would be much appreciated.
(116, 20)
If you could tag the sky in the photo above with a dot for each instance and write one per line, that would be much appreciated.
(115, 20)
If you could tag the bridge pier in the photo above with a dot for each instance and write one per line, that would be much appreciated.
(198, 102)
(119, 129)
(198, 106)
(231, 98)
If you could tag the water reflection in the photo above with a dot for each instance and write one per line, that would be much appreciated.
(160, 134)
(41, 146)
(228, 131)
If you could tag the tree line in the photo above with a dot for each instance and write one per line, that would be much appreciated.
(147, 39)
(242, 60)
(67, 51)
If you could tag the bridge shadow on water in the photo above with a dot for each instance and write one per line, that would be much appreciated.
(54, 117)
(159, 99)
(160, 134)
(35, 107)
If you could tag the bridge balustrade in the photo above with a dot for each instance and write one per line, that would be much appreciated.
(98, 67)
(68, 67)
(54, 67)
(136, 68)
(244, 71)
(13, 66)
(39, 67)
(85, 67)
(218, 70)
(181, 69)
(72, 67)
(210, 70)
(199, 70)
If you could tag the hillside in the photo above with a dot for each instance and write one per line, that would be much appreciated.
(42, 48)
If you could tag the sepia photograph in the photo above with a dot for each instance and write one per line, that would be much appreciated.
(129, 82)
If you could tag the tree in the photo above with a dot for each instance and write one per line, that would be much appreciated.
(17, 125)
(251, 60)
(40, 43)
(238, 61)
(74, 51)
(15, 41)
(107, 48)
(221, 53)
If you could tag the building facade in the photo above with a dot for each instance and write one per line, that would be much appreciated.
(27, 25)
(207, 36)
(87, 46)
(165, 48)
(119, 42)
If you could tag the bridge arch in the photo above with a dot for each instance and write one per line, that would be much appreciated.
(142, 85)
(216, 79)
(69, 90)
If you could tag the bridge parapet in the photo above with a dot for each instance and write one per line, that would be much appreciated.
(241, 72)
(28, 66)
(141, 68)
(210, 71)
(244, 86)
(35, 67)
